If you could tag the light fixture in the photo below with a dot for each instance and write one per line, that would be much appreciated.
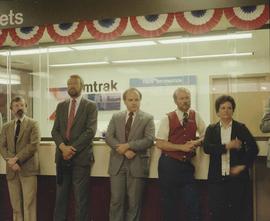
(218, 55)
(206, 38)
(114, 45)
(36, 51)
(79, 64)
(144, 60)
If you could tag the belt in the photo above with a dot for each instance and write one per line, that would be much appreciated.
(182, 159)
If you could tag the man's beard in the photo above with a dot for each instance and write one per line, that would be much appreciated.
(73, 93)
(20, 113)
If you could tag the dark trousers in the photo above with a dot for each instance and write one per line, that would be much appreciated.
(76, 177)
(229, 200)
(177, 181)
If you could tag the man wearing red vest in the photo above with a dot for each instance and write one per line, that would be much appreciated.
(177, 140)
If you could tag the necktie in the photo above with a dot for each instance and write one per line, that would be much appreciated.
(17, 131)
(128, 125)
(71, 118)
(185, 119)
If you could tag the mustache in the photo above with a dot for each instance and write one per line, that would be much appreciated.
(20, 111)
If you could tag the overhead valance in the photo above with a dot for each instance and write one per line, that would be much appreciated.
(194, 22)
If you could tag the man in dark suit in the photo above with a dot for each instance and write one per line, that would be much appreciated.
(232, 151)
(19, 142)
(130, 134)
(74, 128)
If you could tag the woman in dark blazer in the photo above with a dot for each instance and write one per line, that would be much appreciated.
(232, 151)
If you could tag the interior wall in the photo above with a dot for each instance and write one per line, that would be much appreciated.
(44, 103)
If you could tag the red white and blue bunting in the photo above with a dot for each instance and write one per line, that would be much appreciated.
(152, 25)
(26, 36)
(66, 32)
(200, 21)
(3, 36)
(107, 29)
(195, 22)
(248, 17)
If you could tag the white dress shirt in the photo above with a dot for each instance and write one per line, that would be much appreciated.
(225, 134)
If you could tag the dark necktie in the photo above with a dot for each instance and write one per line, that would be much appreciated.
(185, 119)
(71, 117)
(128, 125)
(17, 131)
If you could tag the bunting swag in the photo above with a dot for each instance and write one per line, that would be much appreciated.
(66, 32)
(107, 29)
(195, 22)
(26, 36)
(248, 17)
(3, 36)
(152, 25)
(200, 21)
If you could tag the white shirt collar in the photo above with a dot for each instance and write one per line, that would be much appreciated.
(78, 99)
(21, 119)
(181, 113)
(222, 125)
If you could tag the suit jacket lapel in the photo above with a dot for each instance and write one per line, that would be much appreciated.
(11, 132)
(218, 134)
(65, 112)
(122, 124)
(233, 134)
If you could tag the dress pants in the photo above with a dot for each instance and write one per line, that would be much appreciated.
(229, 200)
(177, 181)
(78, 178)
(125, 186)
(23, 197)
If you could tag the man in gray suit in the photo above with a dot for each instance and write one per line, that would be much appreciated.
(130, 134)
(73, 130)
(19, 142)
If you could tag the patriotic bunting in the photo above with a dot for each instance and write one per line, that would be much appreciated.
(26, 36)
(152, 25)
(200, 21)
(107, 29)
(248, 17)
(3, 35)
(195, 22)
(66, 32)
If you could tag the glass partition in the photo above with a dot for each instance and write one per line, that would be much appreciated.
(229, 62)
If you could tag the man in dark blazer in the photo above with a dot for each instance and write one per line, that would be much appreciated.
(130, 134)
(232, 151)
(73, 131)
(19, 142)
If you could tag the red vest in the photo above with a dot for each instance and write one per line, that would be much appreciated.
(180, 135)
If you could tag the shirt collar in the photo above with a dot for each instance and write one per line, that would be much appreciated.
(222, 126)
(181, 113)
(78, 99)
(134, 113)
(21, 119)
